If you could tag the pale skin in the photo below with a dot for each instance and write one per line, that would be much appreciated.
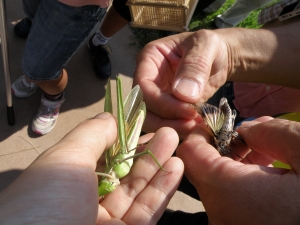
(190, 67)
(250, 191)
(60, 186)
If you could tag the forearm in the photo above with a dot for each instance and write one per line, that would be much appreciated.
(264, 55)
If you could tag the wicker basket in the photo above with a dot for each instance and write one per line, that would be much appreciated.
(160, 2)
(173, 15)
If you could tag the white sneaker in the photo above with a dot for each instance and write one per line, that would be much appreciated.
(22, 88)
(47, 115)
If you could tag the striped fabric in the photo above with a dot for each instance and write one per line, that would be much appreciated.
(272, 12)
(255, 100)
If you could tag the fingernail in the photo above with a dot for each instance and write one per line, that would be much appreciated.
(104, 115)
(188, 87)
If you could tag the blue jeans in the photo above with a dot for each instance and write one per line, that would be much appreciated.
(57, 32)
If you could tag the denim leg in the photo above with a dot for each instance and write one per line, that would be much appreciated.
(30, 7)
(57, 32)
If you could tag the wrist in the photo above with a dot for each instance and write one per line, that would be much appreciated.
(249, 51)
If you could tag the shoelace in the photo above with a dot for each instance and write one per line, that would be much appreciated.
(48, 111)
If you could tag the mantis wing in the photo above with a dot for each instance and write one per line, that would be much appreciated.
(131, 115)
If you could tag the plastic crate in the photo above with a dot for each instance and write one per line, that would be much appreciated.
(173, 15)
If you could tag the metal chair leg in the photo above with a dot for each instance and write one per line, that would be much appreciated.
(4, 47)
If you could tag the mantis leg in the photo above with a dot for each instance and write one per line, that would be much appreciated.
(144, 153)
(138, 145)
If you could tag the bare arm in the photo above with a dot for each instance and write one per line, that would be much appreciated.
(190, 67)
(264, 55)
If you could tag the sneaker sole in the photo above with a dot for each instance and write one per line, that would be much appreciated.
(42, 132)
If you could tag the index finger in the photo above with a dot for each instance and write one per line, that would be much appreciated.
(183, 127)
(277, 138)
(156, 66)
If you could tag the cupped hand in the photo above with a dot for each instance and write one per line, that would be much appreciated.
(60, 186)
(250, 191)
(178, 70)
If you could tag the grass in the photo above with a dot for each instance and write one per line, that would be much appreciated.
(199, 21)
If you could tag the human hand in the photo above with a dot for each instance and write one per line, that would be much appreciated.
(250, 191)
(60, 186)
(178, 70)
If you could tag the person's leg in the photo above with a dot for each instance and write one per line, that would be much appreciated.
(54, 87)
(238, 12)
(112, 23)
(215, 6)
(22, 28)
(116, 18)
(30, 7)
(57, 32)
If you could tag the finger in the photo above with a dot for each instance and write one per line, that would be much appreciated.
(256, 121)
(162, 145)
(156, 65)
(165, 104)
(200, 51)
(86, 143)
(151, 203)
(278, 139)
(257, 158)
(144, 139)
(244, 153)
(200, 138)
(183, 127)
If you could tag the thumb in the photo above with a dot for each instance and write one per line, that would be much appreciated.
(85, 143)
(198, 155)
(203, 67)
(277, 138)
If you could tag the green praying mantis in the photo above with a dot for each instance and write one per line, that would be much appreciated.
(119, 158)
